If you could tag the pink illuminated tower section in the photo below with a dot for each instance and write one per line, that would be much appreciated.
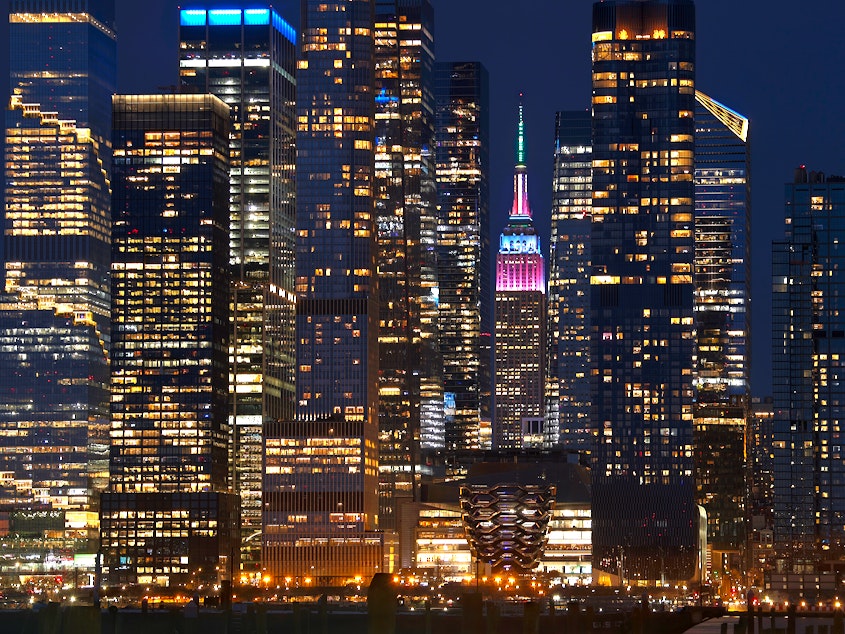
(520, 321)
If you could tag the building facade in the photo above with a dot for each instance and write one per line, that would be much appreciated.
(62, 56)
(410, 383)
(645, 521)
(321, 468)
(568, 358)
(462, 154)
(54, 305)
(808, 347)
(247, 58)
(520, 335)
(168, 518)
(722, 318)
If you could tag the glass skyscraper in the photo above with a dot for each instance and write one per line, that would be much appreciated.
(722, 294)
(321, 471)
(808, 371)
(62, 56)
(568, 382)
(54, 309)
(462, 117)
(520, 335)
(645, 520)
(168, 518)
(410, 384)
(247, 58)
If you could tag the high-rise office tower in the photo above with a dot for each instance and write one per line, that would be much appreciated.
(410, 384)
(808, 349)
(168, 518)
(62, 56)
(462, 98)
(645, 521)
(520, 335)
(54, 309)
(722, 294)
(568, 359)
(247, 58)
(321, 487)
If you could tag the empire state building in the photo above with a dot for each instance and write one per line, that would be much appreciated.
(520, 321)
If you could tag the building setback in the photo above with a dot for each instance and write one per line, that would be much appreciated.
(462, 154)
(410, 384)
(247, 58)
(321, 468)
(722, 306)
(520, 336)
(54, 305)
(168, 518)
(645, 521)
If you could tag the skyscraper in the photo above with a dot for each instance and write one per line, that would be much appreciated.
(645, 521)
(568, 359)
(321, 471)
(247, 58)
(54, 311)
(462, 98)
(722, 304)
(410, 384)
(520, 335)
(168, 518)
(808, 349)
(62, 56)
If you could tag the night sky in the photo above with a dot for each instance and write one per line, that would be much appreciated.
(781, 64)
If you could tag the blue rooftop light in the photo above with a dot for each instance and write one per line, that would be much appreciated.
(192, 17)
(257, 16)
(224, 17)
(284, 28)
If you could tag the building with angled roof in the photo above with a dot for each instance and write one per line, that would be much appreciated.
(722, 318)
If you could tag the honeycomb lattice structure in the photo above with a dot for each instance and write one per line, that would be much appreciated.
(507, 524)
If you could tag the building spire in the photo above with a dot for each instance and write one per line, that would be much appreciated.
(520, 207)
(520, 137)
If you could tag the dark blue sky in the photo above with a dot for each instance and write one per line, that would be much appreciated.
(781, 64)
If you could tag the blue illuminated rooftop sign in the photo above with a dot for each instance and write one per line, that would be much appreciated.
(257, 16)
(191, 17)
(236, 17)
(284, 28)
(224, 17)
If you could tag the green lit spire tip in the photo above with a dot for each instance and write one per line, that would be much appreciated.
(520, 137)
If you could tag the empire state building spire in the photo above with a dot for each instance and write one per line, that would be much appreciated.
(520, 207)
